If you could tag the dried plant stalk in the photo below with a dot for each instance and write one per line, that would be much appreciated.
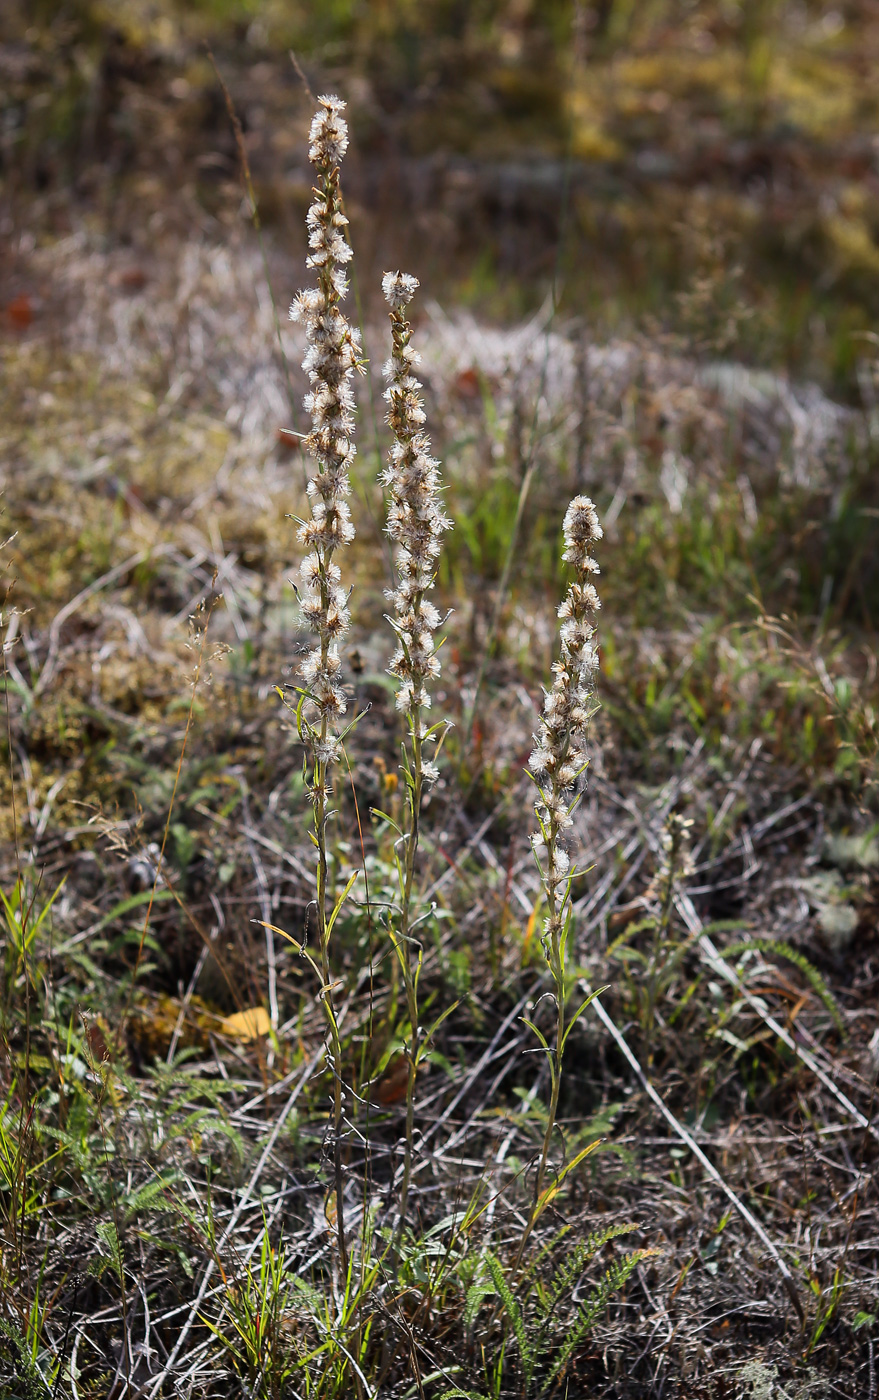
(416, 524)
(332, 357)
(559, 759)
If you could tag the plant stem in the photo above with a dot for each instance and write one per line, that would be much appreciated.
(410, 977)
(332, 357)
(555, 959)
(557, 762)
(415, 524)
(320, 820)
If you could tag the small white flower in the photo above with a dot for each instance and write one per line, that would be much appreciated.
(540, 763)
(327, 750)
(415, 521)
(331, 358)
(560, 754)
(561, 863)
(328, 136)
(399, 288)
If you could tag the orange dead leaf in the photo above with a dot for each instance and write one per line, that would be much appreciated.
(392, 1085)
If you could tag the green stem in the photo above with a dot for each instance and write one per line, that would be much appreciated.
(557, 972)
(406, 956)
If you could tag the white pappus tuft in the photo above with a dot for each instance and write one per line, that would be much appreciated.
(332, 357)
(559, 755)
(416, 522)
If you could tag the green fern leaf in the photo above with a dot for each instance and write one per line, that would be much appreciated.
(595, 1304)
(499, 1278)
(793, 955)
(585, 1250)
(476, 1295)
(147, 1196)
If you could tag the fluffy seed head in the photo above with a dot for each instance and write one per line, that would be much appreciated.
(332, 356)
(415, 521)
(560, 755)
(328, 137)
(399, 288)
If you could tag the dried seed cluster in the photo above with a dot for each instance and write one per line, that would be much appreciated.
(334, 353)
(559, 755)
(416, 521)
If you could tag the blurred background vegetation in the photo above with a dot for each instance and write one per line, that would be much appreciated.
(686, 193)
(695, 155)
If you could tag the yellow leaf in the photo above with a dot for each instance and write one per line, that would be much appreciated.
(247, 1025)
(529, 931)
(553, 1189)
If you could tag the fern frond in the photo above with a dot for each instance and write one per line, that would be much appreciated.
(579, 1257)
(597, 1301)
(793, 955)
(476, 1296)
(146, 1196)
(499, 1278)
(561, 1280)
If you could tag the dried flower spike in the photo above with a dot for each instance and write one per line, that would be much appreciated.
(332, 357)
(416, 525)
(558, 760)
(416, 522)
(559, 755)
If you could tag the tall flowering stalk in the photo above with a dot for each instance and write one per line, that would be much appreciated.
(416, 524)
(558, 760)
(332, 357)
